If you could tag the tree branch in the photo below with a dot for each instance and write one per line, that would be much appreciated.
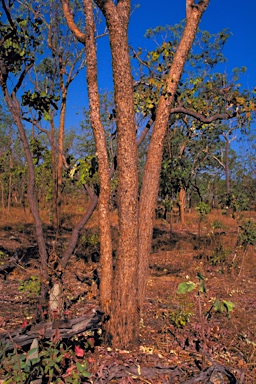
(70, 20)
(22, 77)
(200, 117)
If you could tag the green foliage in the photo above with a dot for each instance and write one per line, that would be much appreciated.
(219, 255)
(40, 102)
(91, 242)
(216, 224)
(31, 287)
(224, 306)
(185, 287)
(55, 363)
(3, 256)
(247, 234)
(203, 209)
(237, 201)
(85, 171)
(181, 316)
(19, 42)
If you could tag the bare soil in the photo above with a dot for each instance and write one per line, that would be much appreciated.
(183, 338)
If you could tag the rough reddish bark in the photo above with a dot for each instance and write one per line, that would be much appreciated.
(152, 168)
(124, 320)
(88, 39)
(100, 140)
(135, 223)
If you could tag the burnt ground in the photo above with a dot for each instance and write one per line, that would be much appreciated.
(184, 338)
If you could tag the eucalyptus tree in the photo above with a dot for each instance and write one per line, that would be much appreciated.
(122, 290)
(202, 100)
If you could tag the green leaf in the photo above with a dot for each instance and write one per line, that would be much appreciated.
(186, 287)
(229, 305)
(202, 287)
(47, 116)
(79, 367)
(200, 276)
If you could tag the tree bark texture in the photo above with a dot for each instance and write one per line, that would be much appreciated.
(135, 222)
(124, 314)
(101, 145)
(182, 203)
(152, 168)
(60, 159)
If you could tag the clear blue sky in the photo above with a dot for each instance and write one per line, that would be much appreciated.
(240, 50)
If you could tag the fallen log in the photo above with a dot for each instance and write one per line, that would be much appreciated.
(48, 330)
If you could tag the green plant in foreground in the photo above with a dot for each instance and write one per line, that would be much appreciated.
(221, 306)
(55, 363)
(3, 255)
(20, 367)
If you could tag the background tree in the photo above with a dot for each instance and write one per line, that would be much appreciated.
(19, 41)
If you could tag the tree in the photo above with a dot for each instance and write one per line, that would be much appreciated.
(123, 286)
(122, 292)
(202, 99)
(18, 43)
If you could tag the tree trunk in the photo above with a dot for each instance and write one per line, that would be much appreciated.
(227, 166)
(104, 176)
(60, 159)
(152, 169)
(54, 178)
(134, 243)
(14, 107)
(182, 203)
(124, 320)
(9, 201)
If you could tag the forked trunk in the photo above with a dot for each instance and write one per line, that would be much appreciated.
(135, 223)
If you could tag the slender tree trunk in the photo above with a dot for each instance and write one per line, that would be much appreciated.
(182, 203)
(2, 195)
(14, 107)
(60, 159)
(227, 166)
(10, 185)
(54, 178)
(101, 145)
(154, 156)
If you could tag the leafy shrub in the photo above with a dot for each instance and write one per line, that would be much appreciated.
(247, 234)
(54, 363)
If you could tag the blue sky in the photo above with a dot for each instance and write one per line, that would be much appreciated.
(240, 50)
